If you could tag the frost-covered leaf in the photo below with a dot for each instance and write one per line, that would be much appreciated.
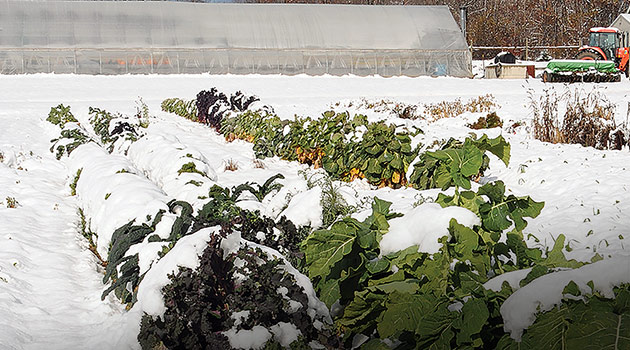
(465, 199)
(537, 271)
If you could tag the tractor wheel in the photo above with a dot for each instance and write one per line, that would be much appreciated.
(589, 55)
(627, 71)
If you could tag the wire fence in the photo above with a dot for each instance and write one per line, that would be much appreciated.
(526, 52)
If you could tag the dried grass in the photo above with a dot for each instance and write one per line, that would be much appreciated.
(231, 165)
(259, 164)
(449, 109)
(588, 119)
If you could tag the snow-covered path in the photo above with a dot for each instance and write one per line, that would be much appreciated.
(48, 279)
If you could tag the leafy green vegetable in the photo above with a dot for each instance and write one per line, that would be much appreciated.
(456, 163)
(61, 115)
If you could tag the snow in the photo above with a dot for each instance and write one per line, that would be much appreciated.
(285, 333)
(248, 339)
(520, 309)
(51, 285)
(305, 208)
(423, 226)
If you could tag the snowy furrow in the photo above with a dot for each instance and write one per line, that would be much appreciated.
(48, 281)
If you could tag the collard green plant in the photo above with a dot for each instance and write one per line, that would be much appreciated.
(259, 127)
(347, 148)
(428, 301)
(499, 212)
(182, 108)
(337, 257)
(456, 163)
(382, 156)
(581, 322)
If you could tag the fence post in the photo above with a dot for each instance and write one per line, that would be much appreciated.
(527, 49)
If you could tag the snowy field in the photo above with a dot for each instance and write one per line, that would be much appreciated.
(50, 283)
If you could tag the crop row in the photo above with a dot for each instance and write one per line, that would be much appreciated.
(349, 268)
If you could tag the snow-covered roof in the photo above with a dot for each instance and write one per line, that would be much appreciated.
(604, 30)
(622, 22)
(139, 24)
(120, 37)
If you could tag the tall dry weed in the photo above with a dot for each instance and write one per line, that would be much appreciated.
(577, 117)
(447, 109)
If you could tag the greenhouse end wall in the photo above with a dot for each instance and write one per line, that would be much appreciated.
(425, 41)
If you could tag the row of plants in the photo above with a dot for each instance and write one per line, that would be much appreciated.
(183, 172)
(220, 209)
(431, 111)
(214, 285)
(113, 131)
(411, 299)
(351, 147)
(414, 300)
(209, 107)
(201, 304)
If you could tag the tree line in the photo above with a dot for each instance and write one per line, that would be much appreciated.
(517, 22)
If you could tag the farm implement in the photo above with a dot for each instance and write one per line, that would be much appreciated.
(572, 71)
(603, 60)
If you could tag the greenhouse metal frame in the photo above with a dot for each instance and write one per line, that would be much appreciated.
(107, 37)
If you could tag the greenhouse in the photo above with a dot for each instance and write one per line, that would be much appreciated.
(121, 37)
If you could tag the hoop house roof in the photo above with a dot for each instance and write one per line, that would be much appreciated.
(279, 30)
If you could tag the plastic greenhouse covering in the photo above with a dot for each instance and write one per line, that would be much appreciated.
(119, 37)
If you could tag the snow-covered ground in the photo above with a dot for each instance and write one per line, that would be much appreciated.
(50, 286)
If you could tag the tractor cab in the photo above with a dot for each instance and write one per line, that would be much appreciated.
(607, 40)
